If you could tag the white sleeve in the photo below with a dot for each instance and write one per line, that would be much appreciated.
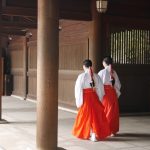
(79, 91)
(101, 76)
(100, 88)
(117, 84)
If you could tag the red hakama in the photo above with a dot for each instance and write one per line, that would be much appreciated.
(110, 102)
(91, 116)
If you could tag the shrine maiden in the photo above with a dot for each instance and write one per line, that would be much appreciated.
(91, 122)
(112, 87)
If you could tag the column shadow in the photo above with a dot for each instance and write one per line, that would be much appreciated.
(60, 148)
(138, 135)
(130, 137)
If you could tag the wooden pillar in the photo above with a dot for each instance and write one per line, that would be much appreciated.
(47, 74)
(2, 121)
(1, 62)
(1, 66)
(95, 38)
(25, 67)
(1, 86)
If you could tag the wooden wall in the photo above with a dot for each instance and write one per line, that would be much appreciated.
(73, 49)
(135, 78)
(23, 54)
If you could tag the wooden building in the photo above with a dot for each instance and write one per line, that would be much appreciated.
(122, 32)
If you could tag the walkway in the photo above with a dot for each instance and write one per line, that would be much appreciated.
(19, 132)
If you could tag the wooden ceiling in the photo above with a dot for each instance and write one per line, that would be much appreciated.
(22, 14)
(19, 15)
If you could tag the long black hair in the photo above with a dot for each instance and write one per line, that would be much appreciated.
(88, 64)
(109, 61)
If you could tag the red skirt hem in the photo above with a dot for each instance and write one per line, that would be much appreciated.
(91, 116)
(111, 108)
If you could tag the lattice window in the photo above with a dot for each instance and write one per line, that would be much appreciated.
(130, 46)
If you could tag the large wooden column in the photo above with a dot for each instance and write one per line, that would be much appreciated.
(1, 87)
(25, 67)
(95, 38)
(1, 63)
(47, 74)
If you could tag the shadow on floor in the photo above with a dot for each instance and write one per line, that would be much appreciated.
(21, 109)
(138, 135)
(130, 137)
(21, 122)
(60, 148)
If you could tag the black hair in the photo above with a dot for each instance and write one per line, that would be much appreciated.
(108, 60)
(87, 63)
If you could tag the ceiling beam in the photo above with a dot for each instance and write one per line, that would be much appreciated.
(19, 11)
(31, 12)
(75, 15)
(13, 32)
(6, 24)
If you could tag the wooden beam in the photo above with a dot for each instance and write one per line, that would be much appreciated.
(75, 15)
(6, 24)
(79, 10)
(127, 10)
(21, 3)
(13, 32)
(19, 11)
(30, 12)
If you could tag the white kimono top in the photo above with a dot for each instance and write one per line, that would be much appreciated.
(83, 82)
(106, 79)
